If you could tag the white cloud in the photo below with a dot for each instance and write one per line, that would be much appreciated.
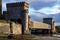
(47, 10)
(40, 0)
(31, 11)
(58, 1)
(4, 7)
(38, 17)
(52, 10)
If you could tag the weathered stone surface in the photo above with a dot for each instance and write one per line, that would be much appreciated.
(16, 28)
(5, 28)
(19, 10)
(40, 25)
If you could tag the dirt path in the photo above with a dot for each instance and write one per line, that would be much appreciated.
(32, 37)
(45, 38)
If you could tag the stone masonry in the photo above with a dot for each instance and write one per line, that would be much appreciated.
(5, 28)
(19, 10)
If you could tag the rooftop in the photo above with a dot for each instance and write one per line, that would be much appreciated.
(16, 4)
(48, 18)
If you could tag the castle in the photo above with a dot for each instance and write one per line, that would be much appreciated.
(19, 12)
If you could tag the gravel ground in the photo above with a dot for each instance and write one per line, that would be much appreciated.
(33, 37)
(45, 38)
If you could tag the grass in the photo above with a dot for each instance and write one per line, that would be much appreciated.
(7, 21)
(4, 21)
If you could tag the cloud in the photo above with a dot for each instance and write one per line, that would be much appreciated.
(50, 10)
(56, 17)
(40, 8)
(47, 10)
(58, 1)
(12, 0)
(38, 17)
(41, 3)
(41, 0)
(4, 7)
(31, 11)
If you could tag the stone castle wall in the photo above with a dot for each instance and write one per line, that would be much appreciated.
(40, 25)
(5, 28)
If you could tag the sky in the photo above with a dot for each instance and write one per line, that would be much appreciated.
(39, 9)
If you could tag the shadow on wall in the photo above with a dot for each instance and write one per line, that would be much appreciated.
(17, 21)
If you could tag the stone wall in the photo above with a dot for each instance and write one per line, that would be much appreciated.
(40, 25)
(16, 28)
(5, 28)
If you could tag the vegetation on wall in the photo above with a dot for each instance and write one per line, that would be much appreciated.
(4, 21)
(58, 29)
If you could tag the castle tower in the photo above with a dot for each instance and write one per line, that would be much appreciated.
(19, 10)
(51, 22)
